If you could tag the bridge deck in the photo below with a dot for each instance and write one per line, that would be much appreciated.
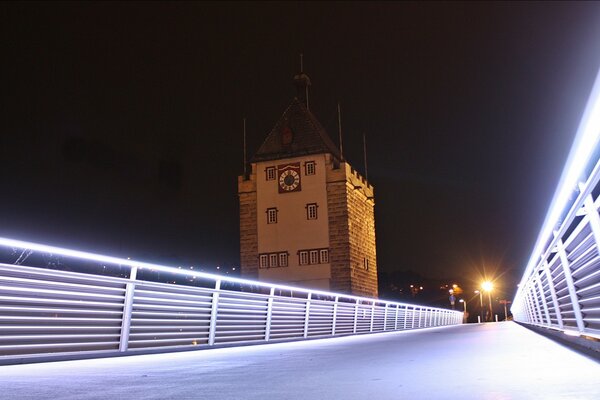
(487, 361)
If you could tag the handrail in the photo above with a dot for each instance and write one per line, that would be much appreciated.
(52, 313)
(560, 288)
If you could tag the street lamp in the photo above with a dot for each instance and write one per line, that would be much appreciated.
(465, 312)
(464, 304)
(480, 305)
(488, 287)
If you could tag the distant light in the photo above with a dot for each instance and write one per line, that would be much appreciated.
(218, 267)
(421, 287)
(454, 286)
(461, 301)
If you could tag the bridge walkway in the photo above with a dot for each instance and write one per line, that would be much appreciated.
(485, 361)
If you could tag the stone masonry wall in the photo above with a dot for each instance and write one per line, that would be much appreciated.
(339, 246)
(248, 228)
(352, 233)
(363, 260)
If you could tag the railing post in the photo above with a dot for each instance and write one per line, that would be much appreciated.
(530, 307)
(269, 314)
(355, 316)
(213, 313)
(385, 316)
(537, 316)
(405, 317)
(127, 309)
(562, 253)
(543, 297)
(557, 309)
(372, 315)
(396, 318)
(307, 315)
(420, 314)
(414, 316)
(594, 219)
(534, 299)
(335, 309)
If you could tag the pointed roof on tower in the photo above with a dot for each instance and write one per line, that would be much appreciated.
(297, 132)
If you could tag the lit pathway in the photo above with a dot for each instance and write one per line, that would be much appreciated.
(488, 361)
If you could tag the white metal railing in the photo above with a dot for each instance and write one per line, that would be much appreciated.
(561, 285)
(50, 312)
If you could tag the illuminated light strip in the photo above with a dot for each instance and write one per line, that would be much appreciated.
(584, 145)
(60, 292)
(50, 284)
(156, 267)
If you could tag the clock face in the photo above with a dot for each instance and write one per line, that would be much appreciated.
(289, 178)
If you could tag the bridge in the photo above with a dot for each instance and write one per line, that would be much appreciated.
(472, 361)
(67, 317)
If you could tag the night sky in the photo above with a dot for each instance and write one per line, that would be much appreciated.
(121, 123)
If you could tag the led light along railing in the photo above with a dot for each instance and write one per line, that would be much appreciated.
(163, 268)
(560, 286)
(582, 150)
(44, 311)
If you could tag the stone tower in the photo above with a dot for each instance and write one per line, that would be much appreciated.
(306, 216)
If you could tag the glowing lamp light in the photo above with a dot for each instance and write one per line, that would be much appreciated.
(487, 286)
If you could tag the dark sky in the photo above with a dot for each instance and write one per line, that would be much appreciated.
(121, 123)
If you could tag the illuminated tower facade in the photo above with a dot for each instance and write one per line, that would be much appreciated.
(306, 216)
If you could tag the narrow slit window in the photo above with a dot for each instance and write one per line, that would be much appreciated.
(311, 211)
(283, 259)
(314, 256)
(271, 215)
(324, 255)
(309, 168)
(303, 255)
(272, 260)
(263, 261)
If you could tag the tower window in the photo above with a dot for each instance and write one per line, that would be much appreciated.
(303, 255)
(271, 215)
(283, 259)
(273, 260)
(314, 256)
(366, 264)
(270, 173)
(324, 255)
(263, 261)
(311, 211)
(309, 168)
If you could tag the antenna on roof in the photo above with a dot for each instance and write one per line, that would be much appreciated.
(365, 154)
(340, 131)
(245, 148)
(302, 82)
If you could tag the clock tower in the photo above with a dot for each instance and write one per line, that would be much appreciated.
(306, 216)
